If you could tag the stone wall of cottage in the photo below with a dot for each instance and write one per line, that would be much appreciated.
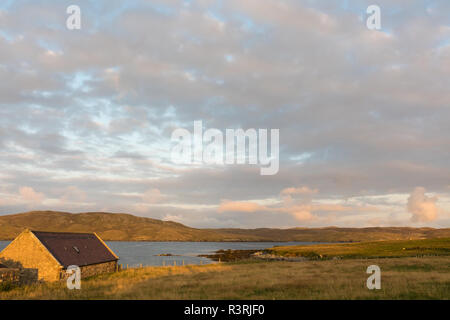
(26, 252)
(93, 270)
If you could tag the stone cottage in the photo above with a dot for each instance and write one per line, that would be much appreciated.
(50, 253)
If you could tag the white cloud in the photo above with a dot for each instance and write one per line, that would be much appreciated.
(152, 196)
(422, 207)
(371, 115)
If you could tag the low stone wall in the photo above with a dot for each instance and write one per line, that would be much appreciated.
(9, 275)
(28, 276)
(18, 276)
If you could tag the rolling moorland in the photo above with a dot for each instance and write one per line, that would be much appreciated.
(126, 227)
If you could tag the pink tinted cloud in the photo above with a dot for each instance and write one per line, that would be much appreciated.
(301, 191)
(422, 207)
(238, 206)
(29, 195)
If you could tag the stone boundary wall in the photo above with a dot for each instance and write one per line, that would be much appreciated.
(28, 276)
(18, 276)
(9, 275)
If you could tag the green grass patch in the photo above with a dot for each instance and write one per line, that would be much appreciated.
(374, 249)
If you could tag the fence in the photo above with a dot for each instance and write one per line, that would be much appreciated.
(165, 263)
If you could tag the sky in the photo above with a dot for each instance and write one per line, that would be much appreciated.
(86, 116)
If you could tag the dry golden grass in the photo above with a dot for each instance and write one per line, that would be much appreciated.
(401, 278)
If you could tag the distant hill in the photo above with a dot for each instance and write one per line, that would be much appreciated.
(109, 226)
(126, 227)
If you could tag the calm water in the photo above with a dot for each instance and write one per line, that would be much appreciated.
(146, 253)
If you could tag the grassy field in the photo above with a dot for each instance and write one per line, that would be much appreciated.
(401, 278)
(374, 249)
(415, 269)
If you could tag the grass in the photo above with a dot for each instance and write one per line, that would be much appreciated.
(416, 269)
(401, 278)
(374, 249)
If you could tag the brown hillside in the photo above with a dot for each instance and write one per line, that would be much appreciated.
(126, 227)
(109, 226)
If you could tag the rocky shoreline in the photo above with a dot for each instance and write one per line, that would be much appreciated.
(262, 255)
(230, 255)
(237, 255)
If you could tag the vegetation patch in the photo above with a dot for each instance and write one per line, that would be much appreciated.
(374, 249)
(315, 279)
(7, 286)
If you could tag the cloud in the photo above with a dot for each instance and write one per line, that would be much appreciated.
(152, 196)
(175, 218)
(239, 206)
(73, 194)
(301, 191)
(29, 195)
(301, 214)
(302, 209)
(368, 118)
(421, 207)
